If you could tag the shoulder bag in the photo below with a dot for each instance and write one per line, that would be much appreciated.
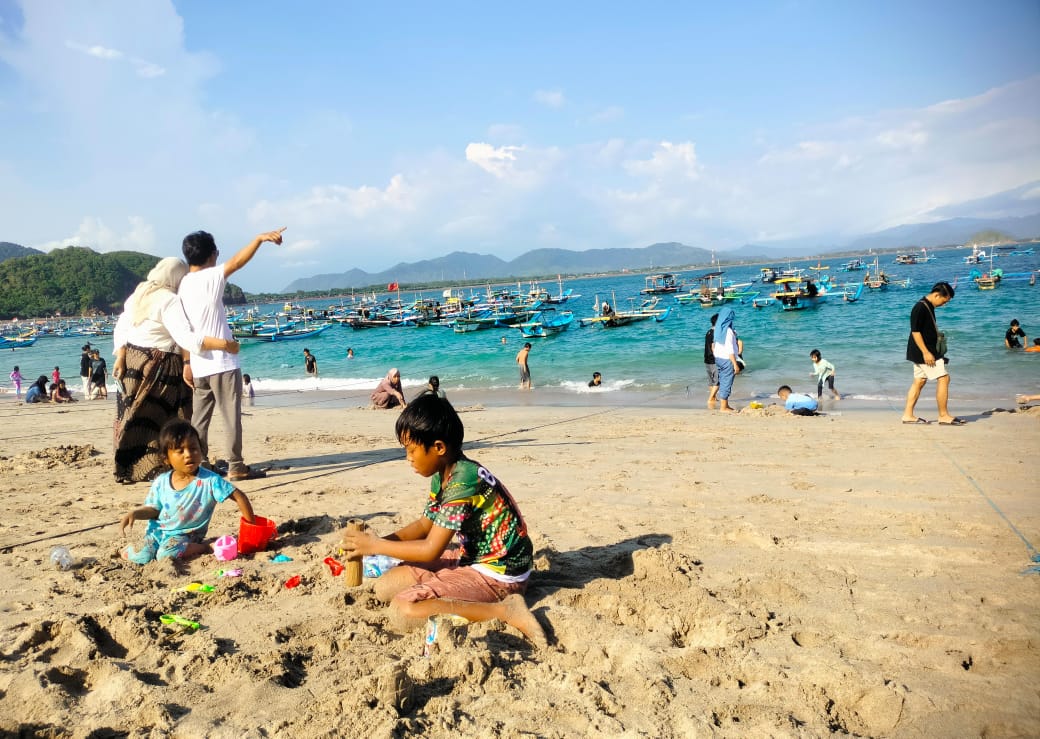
(940, 336)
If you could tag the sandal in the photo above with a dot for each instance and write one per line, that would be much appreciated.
(954, 422)
(246, 474)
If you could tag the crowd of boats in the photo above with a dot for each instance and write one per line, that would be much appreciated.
(538, 312)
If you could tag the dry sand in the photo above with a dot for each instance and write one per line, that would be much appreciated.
(753, 575)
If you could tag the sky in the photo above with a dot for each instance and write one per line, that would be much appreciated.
(381, 133)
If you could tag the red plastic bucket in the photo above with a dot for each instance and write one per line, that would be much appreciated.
(254, 537)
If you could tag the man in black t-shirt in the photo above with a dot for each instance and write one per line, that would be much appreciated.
(709, 364)
(922, 350)
(84, 370)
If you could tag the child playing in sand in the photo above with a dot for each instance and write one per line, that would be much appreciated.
(484, 578)
(797, 404)
(823, 371)
(180, 502)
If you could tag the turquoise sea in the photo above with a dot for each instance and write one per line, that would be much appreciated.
(660, 363)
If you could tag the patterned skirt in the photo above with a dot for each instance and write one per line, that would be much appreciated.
(155, 392)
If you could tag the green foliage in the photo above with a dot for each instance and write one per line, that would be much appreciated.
(76, 281)
(990, 236)
(10, 251)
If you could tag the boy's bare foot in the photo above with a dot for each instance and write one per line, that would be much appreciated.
(124, 553)
(519, 616)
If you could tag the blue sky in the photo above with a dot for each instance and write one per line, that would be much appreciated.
(405, 131)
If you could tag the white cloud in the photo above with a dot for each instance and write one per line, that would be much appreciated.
(911, 136)
(335, 205)
(497, 161)
(95, 234)
(143, 67)
(668, 160)
(99, 52)
(550, 98)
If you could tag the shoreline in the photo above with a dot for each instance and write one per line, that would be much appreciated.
(556, 397)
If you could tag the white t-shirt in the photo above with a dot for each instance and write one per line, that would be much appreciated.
(202, 294)
(722, 349)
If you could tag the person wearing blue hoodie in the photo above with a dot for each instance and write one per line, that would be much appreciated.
(726, 353)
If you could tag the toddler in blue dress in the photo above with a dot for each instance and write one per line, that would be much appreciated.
(181, 501)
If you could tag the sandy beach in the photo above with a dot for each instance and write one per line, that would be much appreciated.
(698, 575)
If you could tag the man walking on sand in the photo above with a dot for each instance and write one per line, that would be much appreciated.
(215, 375)
(922, 348)
(525, 371)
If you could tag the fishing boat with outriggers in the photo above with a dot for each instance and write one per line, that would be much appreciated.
(609, 317)
(800, 293)
(707, 292)
(545, 323)
(666, 283)
(278, 330)
(877, 279)
(17, 342)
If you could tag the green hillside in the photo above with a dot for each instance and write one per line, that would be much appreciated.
(75, 281)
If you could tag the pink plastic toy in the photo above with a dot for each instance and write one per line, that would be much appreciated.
(225, 548)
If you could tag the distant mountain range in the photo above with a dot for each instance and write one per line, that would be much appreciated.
(465, 266)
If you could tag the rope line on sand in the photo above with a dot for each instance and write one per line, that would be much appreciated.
(1034, 556)
(344, 468)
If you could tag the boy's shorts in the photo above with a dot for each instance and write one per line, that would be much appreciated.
(712, 371)
(443, 578)
(924, 372)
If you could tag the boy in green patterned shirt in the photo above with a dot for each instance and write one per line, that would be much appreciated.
(484, 578)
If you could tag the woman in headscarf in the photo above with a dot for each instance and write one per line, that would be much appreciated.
(389, 393)
(726, 357)
(152, 341)
(37, 392)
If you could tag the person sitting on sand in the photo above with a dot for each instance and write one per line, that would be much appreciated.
(180, 502)
(61, 393)
(797, 404)
(433, 387)
(389, 393)
(37, 392)
(485, 577)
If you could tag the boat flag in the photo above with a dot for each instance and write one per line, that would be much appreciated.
(391, 287)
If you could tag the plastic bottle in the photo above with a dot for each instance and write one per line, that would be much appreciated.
(61, 558)
(375, 565)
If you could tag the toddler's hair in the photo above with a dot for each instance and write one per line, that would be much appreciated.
(815, 354)
(782, 388)
(428, 419)
(174, 433)
(245, 379)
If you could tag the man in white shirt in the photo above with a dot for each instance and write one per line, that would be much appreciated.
(216, 375)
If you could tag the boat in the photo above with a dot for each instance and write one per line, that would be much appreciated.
(662, 284)
(295, 332)
(797, 293)
(546, 322)
(990, 279)
(708, 293)
(878, 280)
(853, 265)
(563, 295)
(646, 310)
(977, 255)
(914, 257)
(16, 342)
